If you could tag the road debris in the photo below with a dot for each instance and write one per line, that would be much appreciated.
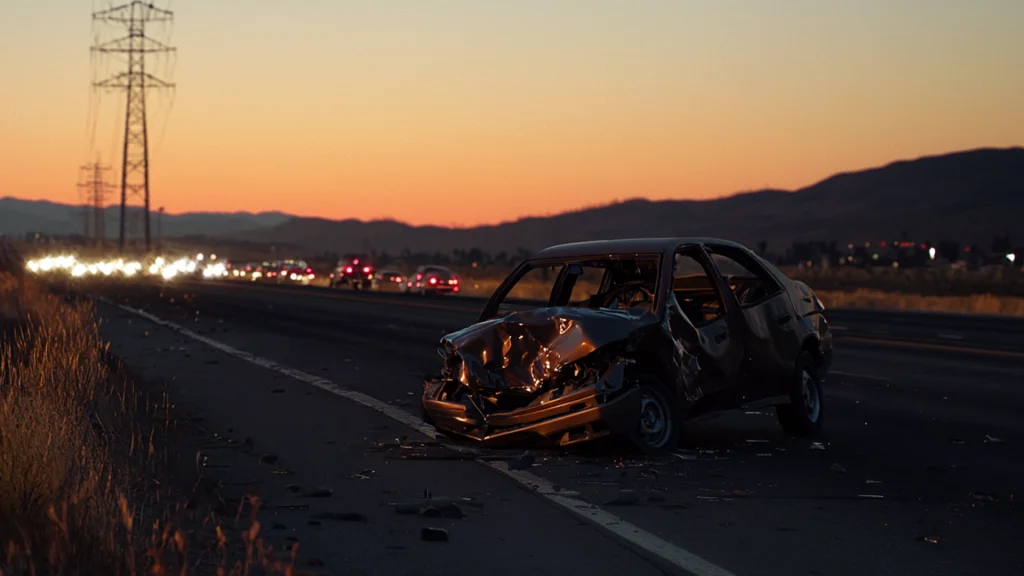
(648, 473)
(625, 497)
(340, 517)
(447, 507)
(434, 535)
(319, 493)
(365, 474)
(523, 462)
(655, 496)
(817, 446)
(983, 496)
(838, 468)
(993, 439)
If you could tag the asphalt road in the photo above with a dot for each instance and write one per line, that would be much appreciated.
(918, 471)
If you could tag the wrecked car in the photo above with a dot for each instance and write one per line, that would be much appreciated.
(633, 338)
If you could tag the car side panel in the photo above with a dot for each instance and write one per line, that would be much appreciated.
(774, 344)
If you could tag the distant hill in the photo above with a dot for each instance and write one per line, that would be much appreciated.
(964, 196)
(24, 216)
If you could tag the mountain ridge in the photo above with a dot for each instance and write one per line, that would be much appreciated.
(966, 195)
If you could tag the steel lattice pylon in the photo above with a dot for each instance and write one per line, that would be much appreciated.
(134, 82)
(95, 189)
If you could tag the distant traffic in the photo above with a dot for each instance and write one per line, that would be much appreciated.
(352, 272)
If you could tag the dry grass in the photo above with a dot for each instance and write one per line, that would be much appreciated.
(80, 449)
(878, 299)
(995, 280)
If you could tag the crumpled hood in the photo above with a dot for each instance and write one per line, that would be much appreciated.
(522, 351)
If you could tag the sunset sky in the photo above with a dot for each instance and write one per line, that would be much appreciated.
(461, 112)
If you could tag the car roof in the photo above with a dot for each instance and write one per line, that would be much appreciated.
(625, 246)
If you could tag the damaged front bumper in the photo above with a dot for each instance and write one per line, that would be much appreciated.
(579, 416)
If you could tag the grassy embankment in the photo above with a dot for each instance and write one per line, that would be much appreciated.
(83, 456)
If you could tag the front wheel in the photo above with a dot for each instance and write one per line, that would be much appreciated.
(659, 427)
(804, 415)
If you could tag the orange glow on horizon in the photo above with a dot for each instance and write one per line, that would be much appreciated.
(479, 113)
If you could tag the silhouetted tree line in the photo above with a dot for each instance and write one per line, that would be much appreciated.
(817, 253)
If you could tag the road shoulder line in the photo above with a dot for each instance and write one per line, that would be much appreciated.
(652, 547)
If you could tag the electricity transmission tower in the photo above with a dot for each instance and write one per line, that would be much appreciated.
(134, 82)
(93, 183)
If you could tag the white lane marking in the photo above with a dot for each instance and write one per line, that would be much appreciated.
(951, 336)
(634, 535)
(853, 375)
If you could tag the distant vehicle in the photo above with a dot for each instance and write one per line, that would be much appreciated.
(388, 280)
(632, 338)
(296, 271)
(271, 270)
(354, 270)
(246, 271)
(433, 280)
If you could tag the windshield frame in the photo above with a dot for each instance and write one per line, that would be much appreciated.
(499, 296)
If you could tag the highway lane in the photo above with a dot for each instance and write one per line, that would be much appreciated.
(941, 331)
(935, 434)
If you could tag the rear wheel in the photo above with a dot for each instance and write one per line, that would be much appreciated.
(804, 415)
(659, 426)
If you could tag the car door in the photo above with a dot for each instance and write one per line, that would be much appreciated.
(714, 333)
(772, 338)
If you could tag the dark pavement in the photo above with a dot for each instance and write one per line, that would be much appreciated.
(917, 473)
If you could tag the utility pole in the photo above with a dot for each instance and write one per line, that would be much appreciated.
(94, 185)
(134, 16)
(83, 201)
(160, 229)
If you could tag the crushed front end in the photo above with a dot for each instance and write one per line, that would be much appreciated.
(554, 374)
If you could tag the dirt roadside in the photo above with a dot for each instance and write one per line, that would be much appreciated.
(334, 484)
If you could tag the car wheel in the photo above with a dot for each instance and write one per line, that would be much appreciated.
(659, 426)
(804, 415)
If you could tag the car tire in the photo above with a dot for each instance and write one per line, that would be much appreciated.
(660, 426)
(804, 415)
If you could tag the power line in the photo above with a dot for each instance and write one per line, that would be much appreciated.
(134, 82)
(95, 188)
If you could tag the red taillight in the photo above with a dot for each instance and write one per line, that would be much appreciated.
(456, 289)
(348, 270)
(366, 269)
(433, 280)
(356, 261)
(419, 276)
(453, 281)
(309, 270)
(311, 275)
